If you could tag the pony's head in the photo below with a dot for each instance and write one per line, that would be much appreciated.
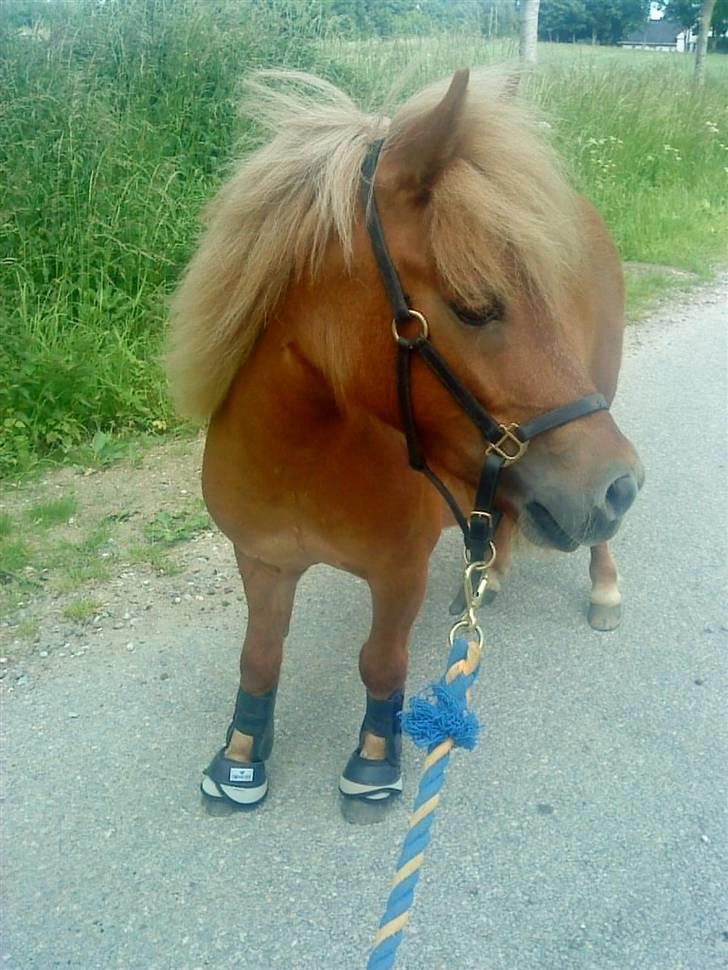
(513, 272)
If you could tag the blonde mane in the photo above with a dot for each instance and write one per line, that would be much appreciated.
(503, 217)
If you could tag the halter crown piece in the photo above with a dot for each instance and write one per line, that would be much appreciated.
(504, 444)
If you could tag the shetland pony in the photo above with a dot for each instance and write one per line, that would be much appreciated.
(281, 339)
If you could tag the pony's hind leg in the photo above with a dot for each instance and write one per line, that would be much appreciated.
(237, 773)
(605, 609)
(373, 771)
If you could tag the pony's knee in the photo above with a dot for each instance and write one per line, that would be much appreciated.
(260, 663)
(383, 671)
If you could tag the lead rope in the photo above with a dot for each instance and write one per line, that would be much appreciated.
(440, 722)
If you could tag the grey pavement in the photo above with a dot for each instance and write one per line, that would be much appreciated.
(588, 830)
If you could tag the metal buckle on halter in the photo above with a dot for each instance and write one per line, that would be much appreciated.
(485, 563)
(509, 447)
(488, 519)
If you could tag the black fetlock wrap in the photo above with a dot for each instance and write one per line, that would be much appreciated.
(254, 716)
(382, 719)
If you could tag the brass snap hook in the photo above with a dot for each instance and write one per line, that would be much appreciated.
(475, 583)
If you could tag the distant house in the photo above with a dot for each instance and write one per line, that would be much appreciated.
(660, 35)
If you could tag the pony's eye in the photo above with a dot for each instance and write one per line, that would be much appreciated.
(479, 317)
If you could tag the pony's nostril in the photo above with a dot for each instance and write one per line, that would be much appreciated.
(620, 495)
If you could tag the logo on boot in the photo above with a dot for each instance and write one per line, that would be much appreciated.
(241, 774)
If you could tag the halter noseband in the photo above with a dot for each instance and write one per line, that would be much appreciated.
(505, 443)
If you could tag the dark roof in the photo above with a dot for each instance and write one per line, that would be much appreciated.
(655, 32)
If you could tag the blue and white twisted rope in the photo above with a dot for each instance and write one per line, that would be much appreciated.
(440, 723)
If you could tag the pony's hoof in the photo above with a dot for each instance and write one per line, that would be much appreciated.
(221, 807)
(363, 811)
(369, 789)
(237, 784)
(604, 618)
(370, 781)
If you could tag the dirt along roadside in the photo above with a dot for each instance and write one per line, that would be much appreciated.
(86, 554)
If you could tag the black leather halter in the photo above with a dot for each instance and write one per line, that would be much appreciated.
(504, 444)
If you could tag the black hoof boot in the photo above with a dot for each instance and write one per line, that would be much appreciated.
(244, 783)
(381, 780)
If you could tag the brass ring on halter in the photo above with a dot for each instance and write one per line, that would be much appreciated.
(485, 564)
(472, 629)
(410, 341)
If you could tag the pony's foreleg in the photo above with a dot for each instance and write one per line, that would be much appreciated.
(373, 771)
(605, 609)
(238, 772)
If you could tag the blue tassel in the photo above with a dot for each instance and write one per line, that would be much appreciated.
(431, 720)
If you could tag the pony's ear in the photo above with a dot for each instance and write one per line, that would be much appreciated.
(425, 144)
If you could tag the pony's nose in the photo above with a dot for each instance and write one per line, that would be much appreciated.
(620, 495)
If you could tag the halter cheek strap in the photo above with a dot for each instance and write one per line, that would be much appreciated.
(504, 443)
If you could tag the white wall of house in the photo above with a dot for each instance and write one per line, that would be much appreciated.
(684, 42)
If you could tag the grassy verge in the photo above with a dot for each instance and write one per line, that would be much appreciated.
(116, 124)
(648, 286)
(66, 550)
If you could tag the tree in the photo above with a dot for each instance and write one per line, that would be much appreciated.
(686, 13)
(703, 15)
(562, 20)
(704, 19)
(610, 20)
(528, 30)
(601, 21)
(385, 18)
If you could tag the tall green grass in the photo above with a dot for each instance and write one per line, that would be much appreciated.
(647, 147)
(117, 121)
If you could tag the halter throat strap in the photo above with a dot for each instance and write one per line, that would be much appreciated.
(505, 444)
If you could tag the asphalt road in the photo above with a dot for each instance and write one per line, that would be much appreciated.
(588, 830)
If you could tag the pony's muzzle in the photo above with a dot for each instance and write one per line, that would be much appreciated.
(557, 510)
